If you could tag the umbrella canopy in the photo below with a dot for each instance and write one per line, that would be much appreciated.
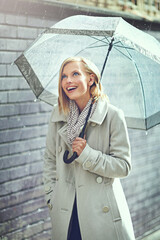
(131, 75)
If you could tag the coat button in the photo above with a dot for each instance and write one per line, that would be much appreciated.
(59, 149)
(49, 204)
(105, 209)
(88, 164)
(47, 189)
(99, 180)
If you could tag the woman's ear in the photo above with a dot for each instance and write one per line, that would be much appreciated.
(92, 79)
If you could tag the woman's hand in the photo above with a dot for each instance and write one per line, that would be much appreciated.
(78, 145)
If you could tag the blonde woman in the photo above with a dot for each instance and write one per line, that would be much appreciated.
(85, 197)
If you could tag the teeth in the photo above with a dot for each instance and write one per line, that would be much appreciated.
(71, 88)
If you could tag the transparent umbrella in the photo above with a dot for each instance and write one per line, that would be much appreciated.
(130, 75)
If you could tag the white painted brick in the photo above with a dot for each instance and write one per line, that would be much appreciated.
(3, 44)
(8, 31)
(16, 44)
(21, 197)
(11, 135)
(13, 83)
(16, 19)
(3, 97)
(2, 18)
(36, 22)
(27, 33)
(24, 120)
(22, 146)
(21, 159)
(3, 70)
(21, 171)
(20, 96)
(26, 219)
(18, 109)
(20, 184)
(12, 70)
(7, 57)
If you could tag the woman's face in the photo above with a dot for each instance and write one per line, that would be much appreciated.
(76, 82)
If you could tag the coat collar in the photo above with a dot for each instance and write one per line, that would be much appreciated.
(100, 112)
(97, 117)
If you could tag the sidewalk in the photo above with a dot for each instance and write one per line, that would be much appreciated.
(153, 236)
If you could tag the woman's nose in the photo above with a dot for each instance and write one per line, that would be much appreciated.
(69, 79)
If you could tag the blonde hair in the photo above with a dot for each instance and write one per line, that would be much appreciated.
(95, 89)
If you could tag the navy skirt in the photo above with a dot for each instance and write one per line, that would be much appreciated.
(74, 230)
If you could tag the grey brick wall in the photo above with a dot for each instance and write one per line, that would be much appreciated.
(142, 186)
(23, 126)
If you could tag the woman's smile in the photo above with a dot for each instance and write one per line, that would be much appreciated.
(71, 89)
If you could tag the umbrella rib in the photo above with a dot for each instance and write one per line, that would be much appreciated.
(140, 84)
(123, 53)
(107, 39)
(115, 44)
(100, 40)
(124, 47)
(97, 46)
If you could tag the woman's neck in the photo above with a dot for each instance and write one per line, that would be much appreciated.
(81, 104)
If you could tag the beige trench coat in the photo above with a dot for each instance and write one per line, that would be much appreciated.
(94, 177)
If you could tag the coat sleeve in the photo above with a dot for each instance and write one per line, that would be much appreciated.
(49, 169)
(116, 164)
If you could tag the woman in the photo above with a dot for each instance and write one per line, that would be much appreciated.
(85, 197)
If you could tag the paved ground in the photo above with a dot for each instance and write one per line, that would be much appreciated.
(153, 236)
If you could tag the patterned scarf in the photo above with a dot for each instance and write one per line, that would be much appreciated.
(76, 120)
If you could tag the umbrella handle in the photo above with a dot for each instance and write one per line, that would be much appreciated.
(74, 156)
(71, 159)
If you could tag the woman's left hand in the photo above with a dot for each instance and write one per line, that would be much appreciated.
(78, 145)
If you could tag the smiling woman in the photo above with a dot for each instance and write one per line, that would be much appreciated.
(85, 198)
(76, 83)
(80, 77)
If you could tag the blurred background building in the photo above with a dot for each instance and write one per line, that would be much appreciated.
(23, 121)
(148, 9)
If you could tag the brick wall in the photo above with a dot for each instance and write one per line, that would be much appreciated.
(142, 187)
(23, 125)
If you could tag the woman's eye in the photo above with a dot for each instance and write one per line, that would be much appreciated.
(63, 76)
(75, 73)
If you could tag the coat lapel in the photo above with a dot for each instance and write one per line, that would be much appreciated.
(60, 117)
(63, 134)
(97, 117)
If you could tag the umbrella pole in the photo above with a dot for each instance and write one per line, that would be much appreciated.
(109, 49)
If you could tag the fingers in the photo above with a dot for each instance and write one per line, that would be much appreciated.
(78, 145)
